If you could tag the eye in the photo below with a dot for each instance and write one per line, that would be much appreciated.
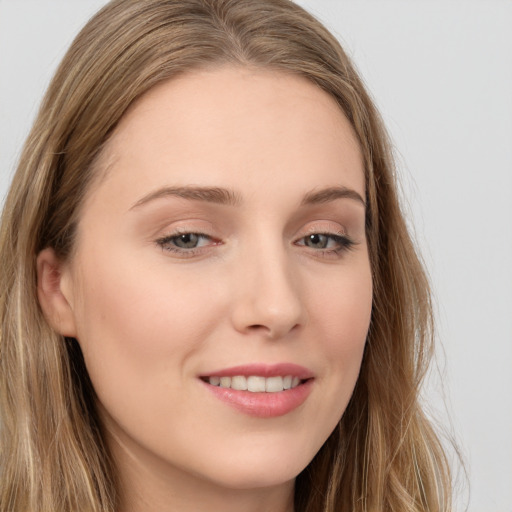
(185, 243)
(326, 242)
(188, 240)
(318, 241)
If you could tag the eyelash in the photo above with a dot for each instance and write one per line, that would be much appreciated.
(343, 244)
(342, 241)
(166, 243)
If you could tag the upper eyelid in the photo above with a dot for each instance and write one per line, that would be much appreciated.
(328, 232)
(328, 227)
(168, 238)
(185, 230)
(295, 229)
(312, 231)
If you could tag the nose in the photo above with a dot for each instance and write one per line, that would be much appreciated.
(268, 301)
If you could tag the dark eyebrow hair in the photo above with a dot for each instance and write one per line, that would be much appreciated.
(228, 197)
(209, 194)
(328, 194)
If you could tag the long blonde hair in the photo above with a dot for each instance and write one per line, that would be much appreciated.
(383, 455)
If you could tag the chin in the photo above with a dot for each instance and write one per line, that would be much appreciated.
(268, 468)
(236, 478)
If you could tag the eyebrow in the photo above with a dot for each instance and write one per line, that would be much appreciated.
(215, 195)
(224, 196)
(326, 195)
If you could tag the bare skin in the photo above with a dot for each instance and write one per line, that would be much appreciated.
(228, 229)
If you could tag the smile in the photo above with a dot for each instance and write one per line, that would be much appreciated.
(255, 383)
(261, 390)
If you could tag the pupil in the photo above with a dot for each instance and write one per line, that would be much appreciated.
(187, 241)
(318, 241)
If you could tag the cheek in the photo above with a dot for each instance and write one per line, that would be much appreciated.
(138, 328)
(143, 328)
(342, 309)
(342, 315)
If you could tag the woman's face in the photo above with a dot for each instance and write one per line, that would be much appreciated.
(225, 237)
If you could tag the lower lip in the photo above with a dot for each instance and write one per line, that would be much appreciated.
(263, 405)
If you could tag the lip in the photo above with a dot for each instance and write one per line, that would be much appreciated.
(263, 405)
(263, 370)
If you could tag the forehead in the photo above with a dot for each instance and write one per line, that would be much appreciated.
(235, 127)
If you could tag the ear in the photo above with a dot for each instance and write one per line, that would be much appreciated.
(53, 295)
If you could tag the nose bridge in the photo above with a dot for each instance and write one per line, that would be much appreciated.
(268, 299)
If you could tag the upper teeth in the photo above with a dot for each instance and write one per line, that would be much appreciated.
(255, 383)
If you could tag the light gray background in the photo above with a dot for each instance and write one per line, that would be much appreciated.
(441, 73)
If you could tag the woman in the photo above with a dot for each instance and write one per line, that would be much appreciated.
(209, 296)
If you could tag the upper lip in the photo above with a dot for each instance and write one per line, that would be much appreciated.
(263, 370)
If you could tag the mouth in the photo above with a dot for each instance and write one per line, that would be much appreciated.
(255, 383)
(263, 391)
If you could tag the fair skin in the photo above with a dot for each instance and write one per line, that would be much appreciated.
(171, 283)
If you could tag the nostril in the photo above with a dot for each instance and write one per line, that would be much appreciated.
(272, 331)
(260, 329)
(257, 327)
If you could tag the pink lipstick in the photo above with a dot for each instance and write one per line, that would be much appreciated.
(261, 390)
